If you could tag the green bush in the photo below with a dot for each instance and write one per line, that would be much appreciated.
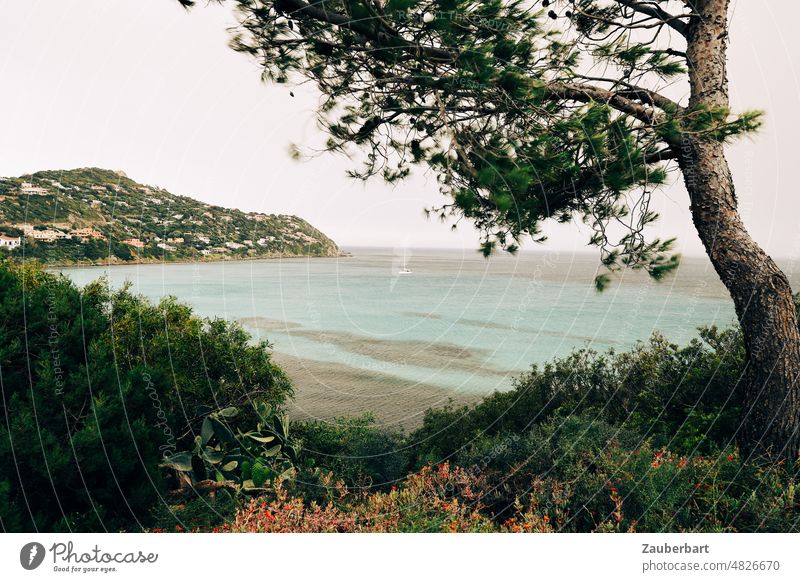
(596, 481)
(97, 388)
(239, 457)
(684, 398)
(356, 450)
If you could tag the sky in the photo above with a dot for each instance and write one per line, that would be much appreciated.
(145, 87)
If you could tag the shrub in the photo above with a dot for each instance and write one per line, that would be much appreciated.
(98, 386)
(683, 398)
(237, 457)
(586, 475)
(618, 490)
(356, 450)
(437, 499)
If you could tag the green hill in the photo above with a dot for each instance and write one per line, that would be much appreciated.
(90, 214)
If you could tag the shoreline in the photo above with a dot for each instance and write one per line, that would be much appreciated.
(120, 263)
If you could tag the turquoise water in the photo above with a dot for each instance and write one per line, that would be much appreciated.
(457, 321)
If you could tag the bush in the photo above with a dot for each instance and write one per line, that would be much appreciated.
(585, 475)
(594, 485)
(99, 386)
(685, 399)
(437, 499)
(356, 450)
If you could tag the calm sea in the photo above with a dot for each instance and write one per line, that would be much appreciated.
(457, 321)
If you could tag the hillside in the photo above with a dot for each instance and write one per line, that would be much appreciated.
(91, 214)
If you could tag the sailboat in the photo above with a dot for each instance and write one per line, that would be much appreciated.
(405, 270)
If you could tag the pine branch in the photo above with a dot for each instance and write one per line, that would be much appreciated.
(654, 11)
(554, 91)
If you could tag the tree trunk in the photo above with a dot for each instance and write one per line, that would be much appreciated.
(760, 290)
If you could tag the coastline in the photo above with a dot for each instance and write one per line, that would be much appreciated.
(182, 261)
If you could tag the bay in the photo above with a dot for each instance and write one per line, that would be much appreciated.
(356, 334)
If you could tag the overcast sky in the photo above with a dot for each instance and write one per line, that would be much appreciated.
(145, 87)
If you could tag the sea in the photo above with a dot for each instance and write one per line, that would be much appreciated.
(357, 333)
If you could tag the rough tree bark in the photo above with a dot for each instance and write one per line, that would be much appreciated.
(760, 290)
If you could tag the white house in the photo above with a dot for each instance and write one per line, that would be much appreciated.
(9, 242)
(47, 235)
(31, 190)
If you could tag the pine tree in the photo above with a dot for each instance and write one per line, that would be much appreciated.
(551, 109)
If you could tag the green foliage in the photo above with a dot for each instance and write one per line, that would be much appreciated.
(682, 398)
(250, 461)
(98, 387)
(526, 113)
(360, 454)
(206, 513)
(577, 474)
(584, 475)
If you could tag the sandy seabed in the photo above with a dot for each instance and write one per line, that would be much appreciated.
(325, 391)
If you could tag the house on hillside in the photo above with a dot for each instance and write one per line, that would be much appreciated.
(87, 234)
(31, 190)
(214, 251)
(133, 242)
(9, 242)
(47, 235)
